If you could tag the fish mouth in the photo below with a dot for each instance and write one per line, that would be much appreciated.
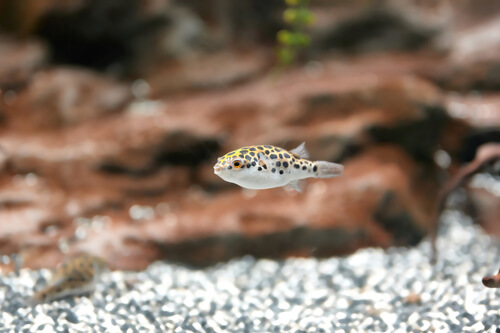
(217, 169)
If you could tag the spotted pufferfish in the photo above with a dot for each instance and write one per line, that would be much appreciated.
(265, 166)
(76, 276)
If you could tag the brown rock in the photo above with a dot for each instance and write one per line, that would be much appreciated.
(130, 145)
(19, 60)
(470, 13)
(480, 117)
(133, 37)
(4, 160)
(376, 206)
(485, 207)
(147, 171)
(22, 17)
(122, 31)
(187, 131)
(377, 25)
(66, 96)
(242, 21)
(479, 111)
(213, 71)
(473, 62)
(392, 110)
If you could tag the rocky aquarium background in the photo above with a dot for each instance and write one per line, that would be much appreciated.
(113, 113)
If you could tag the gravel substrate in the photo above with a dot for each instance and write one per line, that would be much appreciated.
(372, 290)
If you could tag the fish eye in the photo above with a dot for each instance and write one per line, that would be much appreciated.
(236, 164)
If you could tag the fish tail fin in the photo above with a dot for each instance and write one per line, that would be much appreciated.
(328, 169)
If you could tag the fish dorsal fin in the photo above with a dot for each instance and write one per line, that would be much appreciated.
(301, 151)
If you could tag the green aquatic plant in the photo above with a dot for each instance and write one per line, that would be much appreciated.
(298, 16)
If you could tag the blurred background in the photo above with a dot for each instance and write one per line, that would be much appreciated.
(113, 113)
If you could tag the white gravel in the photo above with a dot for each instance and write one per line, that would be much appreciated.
(372, 290)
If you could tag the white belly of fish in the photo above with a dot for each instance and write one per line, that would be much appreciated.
(260, 182)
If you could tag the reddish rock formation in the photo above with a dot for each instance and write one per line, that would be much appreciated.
(484, 208)
(473, 61)
(377, 206)
(480, 111)
(90, 163)
(65, 96)
(20, 60)
(161, 153)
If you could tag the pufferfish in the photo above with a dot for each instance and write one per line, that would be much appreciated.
(76, 276)
(263, 167)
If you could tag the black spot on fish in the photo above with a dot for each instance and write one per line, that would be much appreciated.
(248, 166)
(253, 163)
(260, 148)
(278, 163)
(243, 151)
(252, 149)
(260, 169)
(285, 164)
(266, 152)
(281, 172)
(296, 166)
(315, 168)
(273, 156)
(304, 168)
(241, 156)
(269, 147)
(273, 170)
(248, 158)
(281, 156)
(229, 167)
(252, 154)
(286, 155)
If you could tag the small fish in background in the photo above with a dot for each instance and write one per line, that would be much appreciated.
(76, 276)
(263, 167)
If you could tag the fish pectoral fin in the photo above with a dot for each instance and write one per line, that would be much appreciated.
(301, 151)
(263, 164)
(296, 185)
